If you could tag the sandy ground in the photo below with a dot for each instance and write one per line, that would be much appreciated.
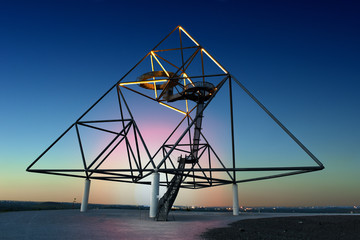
(113, 224)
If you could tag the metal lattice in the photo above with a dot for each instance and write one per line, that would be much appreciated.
(168, 80)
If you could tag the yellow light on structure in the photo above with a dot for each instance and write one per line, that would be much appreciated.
(155, 90)
(189, 36)
(152, 69)
(139, 82)
(167, 74)
(173, 108)
(186, 101)
(218, 64)
(188, 79)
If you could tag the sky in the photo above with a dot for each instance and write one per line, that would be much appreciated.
(299, 58)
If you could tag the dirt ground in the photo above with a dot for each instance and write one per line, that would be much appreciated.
(289, 228)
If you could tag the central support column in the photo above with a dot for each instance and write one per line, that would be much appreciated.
(154, 200)
(235, 200)
(85, 199)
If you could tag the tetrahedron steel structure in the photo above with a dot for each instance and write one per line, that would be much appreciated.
(179, 75)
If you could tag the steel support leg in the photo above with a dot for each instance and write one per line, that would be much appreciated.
(85, 199)
(154, 200)
(235, 200)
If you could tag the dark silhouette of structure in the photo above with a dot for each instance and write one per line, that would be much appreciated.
(169, 80)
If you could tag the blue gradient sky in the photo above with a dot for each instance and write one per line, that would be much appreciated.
(300, 58)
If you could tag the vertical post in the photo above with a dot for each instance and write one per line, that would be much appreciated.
(85, 199)
(154, 194)
(232, 128)
(235, 199)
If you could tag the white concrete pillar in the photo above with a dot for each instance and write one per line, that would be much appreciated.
(154, 194)
(235, 200)
(85, 199)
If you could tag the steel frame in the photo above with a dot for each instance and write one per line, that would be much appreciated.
(195, 176)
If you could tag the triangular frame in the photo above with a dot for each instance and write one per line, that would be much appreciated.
(140, 173)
